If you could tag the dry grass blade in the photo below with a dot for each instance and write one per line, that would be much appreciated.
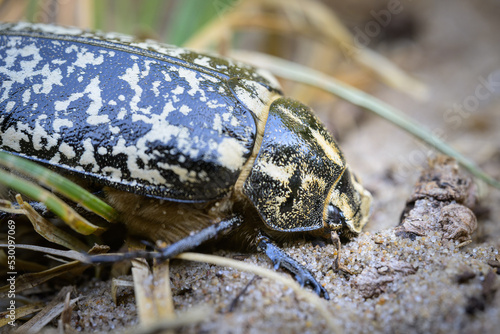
(31, 280)
(57, 183)
(71, 254)
(152, 292)
(6, 206)
(162, 290)
(64, 321)
(191, 317)
(143, 282)
(392, 75)
(327, 24)
(48, 230)
(144, 299)
(55, 204)
(20, 312)
(115, 284)
(48, 313)
(310, 297)
(20, 263)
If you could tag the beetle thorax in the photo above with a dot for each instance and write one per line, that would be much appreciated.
(295, 169)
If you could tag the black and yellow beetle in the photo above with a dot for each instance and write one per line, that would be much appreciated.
(186, 145)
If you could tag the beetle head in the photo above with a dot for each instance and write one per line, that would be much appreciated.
(349, 205)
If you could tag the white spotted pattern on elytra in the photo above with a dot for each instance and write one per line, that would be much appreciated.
(159, 119)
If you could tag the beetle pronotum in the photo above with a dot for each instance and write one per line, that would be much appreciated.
(180, 141)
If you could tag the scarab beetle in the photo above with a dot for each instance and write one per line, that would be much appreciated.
(187, 146)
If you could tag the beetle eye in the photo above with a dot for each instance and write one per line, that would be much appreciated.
(335, 217)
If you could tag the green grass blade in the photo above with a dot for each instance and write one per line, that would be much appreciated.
(59, 184)
(149, 13)
(185, 21)
(50, 231)
(31, 10)
(99, 14)
(54, 204)
(293, 71)
(190, 16)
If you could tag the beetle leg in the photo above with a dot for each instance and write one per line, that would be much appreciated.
(336, 264)
(196, 239)
(282, 259)
(188, 243)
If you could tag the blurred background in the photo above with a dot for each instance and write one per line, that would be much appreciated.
(436, 61)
